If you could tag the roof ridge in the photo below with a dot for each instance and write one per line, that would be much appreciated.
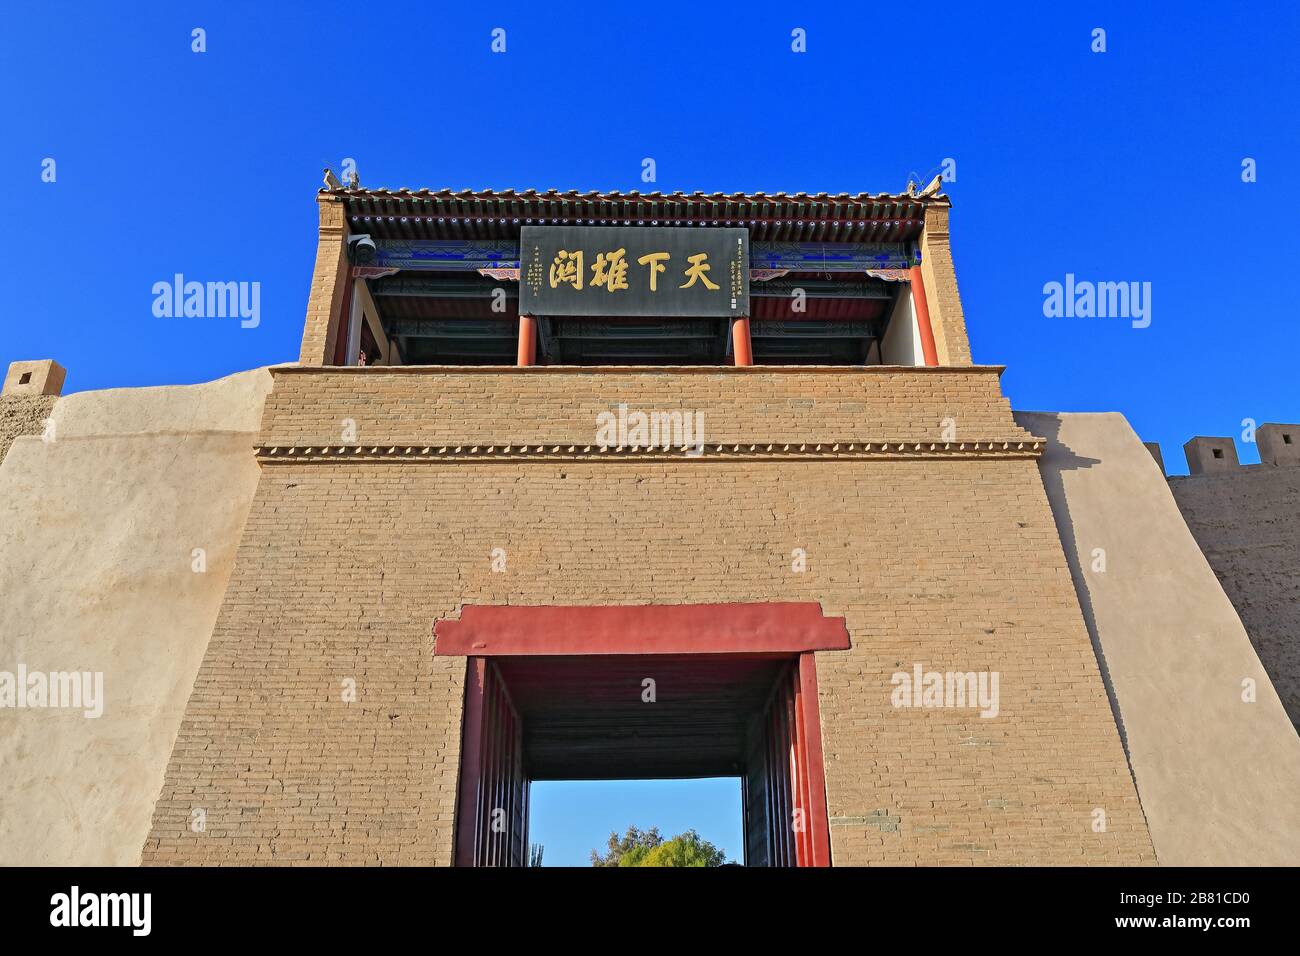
(596, 195)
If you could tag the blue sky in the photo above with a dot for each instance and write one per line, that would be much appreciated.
(573, 817)
(1122, 166)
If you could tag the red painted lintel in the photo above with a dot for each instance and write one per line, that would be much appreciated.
(513, 630)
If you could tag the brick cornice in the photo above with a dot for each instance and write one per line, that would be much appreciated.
(774, 451)
(846, 370)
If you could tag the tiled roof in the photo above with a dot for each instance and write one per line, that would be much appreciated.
(487, 214)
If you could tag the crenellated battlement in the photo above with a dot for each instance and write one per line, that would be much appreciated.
(1279, 446)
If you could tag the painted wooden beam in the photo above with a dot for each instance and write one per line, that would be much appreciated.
(517, 630)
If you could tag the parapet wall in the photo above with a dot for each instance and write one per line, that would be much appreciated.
(431, 405)
(1247, 523)
(1246, 520)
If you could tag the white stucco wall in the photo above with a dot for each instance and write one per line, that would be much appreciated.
(97, 531)
(901, 344)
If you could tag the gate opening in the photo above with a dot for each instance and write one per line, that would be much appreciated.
(640, 717)
(643, 692)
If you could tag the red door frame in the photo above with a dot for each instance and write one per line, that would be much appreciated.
(471, 762)
(492, 744)
(770, 627)
(810, 713)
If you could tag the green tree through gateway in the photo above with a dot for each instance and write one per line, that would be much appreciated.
(649, 848)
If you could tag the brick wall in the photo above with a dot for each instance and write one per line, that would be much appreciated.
(424, 405)
(344, 567)
(940, 278)
(328, 280)
(1247, 523)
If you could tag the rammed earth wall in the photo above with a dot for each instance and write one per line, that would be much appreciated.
(1247, 521)
(23, 415)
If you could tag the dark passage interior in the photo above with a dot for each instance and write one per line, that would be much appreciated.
(597, 718)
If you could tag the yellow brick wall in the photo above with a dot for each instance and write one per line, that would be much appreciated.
(947, 319)
(344, 567)
(424, 405)
(325, 302)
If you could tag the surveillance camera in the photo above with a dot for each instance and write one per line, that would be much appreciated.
(361, 250)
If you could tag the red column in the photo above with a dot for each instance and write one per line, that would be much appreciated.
(527, 340)
(923, 317)
(741, 348)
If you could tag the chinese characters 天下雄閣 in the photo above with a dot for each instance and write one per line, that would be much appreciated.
(609, 271)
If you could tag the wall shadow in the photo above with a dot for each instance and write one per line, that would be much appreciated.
(1057, 459)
